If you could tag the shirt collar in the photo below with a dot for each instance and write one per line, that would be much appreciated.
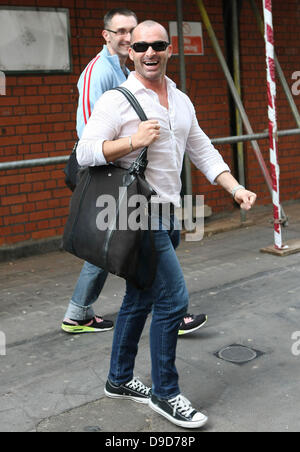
(114, 59)
(135, 85)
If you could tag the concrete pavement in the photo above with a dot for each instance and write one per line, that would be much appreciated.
(50, 381)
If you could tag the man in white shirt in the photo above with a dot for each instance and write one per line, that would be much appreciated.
(106, 71)
(115, 134)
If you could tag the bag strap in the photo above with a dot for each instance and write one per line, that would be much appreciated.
(133, 101)
(141, 161)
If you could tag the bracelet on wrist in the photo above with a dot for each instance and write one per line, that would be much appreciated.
(236, 189)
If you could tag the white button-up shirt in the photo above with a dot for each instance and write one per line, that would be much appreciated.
(114, 118)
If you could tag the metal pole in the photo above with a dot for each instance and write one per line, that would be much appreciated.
(271, 88)
(22, 164)
(32, 163)
(254, 136)
(187, 162)
(237, 98)
(280, 73)
(237, 82)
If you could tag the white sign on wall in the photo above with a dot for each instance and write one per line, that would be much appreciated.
(193, 38)
(34, 39)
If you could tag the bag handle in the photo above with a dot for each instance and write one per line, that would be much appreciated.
(133, 101)
(141, 162)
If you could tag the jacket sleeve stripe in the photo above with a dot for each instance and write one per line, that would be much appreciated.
(89, 86)
(86, 89)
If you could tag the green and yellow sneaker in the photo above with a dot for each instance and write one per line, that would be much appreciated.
(95, 325)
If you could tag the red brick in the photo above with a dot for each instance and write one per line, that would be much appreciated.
(12, 180)
(39, 196)
(16, 219)
(42, 215)
(13, 200)
(16, 209)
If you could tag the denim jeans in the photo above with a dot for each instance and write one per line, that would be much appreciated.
(168, 301)
(87, 291)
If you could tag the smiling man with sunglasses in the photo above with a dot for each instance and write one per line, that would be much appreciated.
(106, 71)
(115, 134)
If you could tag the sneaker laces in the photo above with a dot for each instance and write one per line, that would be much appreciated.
(137, 385)
(182, 405)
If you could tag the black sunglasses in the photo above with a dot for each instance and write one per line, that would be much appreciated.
(157, 46)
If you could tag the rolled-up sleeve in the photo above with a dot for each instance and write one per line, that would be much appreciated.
(203, 154)
(103, 125)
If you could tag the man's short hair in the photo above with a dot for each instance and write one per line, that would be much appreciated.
(113, 12)
(149, 24)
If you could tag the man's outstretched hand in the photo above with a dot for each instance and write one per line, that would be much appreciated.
(245, 198)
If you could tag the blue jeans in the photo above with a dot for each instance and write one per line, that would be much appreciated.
(87, 291)
(168, 301)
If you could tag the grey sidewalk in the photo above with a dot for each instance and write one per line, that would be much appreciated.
(50, 381)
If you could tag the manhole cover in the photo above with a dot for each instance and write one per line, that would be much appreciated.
(238, 354)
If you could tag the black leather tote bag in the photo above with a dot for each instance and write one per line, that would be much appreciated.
(72, 170)
(116, 247)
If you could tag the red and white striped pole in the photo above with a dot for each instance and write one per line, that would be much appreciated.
(271, 83)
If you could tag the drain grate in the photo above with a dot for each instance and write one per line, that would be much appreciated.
(238, 354)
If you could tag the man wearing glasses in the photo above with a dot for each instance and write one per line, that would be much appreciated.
(106, 71)
(116, 134)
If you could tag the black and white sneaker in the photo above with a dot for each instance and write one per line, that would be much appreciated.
(133, 390)
(179, 411)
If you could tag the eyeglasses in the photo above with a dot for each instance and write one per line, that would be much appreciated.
(121, 32)
(157, 46)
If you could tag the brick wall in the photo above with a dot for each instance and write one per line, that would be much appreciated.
(37, 116)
